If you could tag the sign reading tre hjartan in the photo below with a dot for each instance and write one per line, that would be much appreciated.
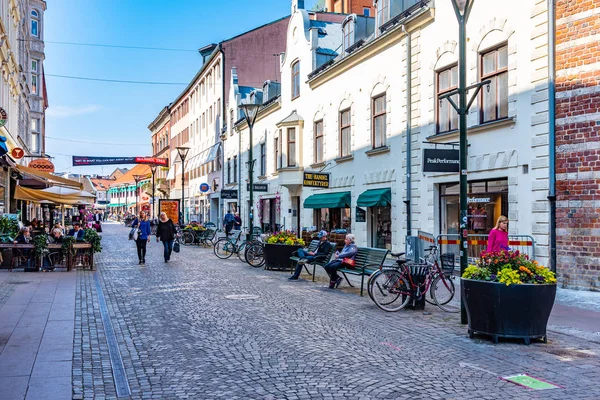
(312, 179)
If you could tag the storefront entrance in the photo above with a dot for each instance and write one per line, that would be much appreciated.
(487, 200)
(332, 211)
(379, 205)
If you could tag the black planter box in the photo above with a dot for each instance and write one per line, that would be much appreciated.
(277, 256)
(514, 311)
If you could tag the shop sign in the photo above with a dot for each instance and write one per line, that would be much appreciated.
(479, 200)
(438, 160)
(361, 215)
(42, 164)
(171, 208)
(258, 187)
(17, 153)
(204, 187)
(316, 180)
(3, 117)
(229, 194)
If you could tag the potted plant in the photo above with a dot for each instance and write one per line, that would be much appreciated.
(508, 295)
(279, 248)
(92, 237)
(40, 249)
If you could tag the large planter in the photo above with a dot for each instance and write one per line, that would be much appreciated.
(277, 256)
(514, 311)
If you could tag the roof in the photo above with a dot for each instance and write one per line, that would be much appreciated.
(139, 169)
(101, 183)
(293, 117)
(331, 37)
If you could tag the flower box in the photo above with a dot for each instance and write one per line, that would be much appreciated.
(277, 256)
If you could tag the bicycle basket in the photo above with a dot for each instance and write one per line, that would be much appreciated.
(447, 260)
(418, 271)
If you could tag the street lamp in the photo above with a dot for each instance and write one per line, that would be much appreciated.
(125, 187)
(153, 170)
(183, 152)
(462, 9)
(250, 112)
(137, 179)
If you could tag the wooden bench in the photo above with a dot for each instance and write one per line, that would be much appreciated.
(368, 260)
(312, 246)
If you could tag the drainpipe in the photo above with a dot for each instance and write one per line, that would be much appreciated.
(224, 118)
(408, 131)
(552, 128)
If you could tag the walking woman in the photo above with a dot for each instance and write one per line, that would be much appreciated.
(498, 238)
(143, 225)
(165, 232)
(348, 253)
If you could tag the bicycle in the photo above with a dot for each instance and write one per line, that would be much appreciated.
(255, 254)
(393, 287)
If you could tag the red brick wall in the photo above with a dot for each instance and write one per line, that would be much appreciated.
(578, 143)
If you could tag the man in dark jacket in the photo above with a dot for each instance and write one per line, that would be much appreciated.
(309, 256)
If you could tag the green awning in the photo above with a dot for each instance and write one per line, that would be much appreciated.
(328, 200)
(375, 198)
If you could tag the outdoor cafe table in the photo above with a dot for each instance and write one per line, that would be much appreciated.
(19, 246)
(83, 257)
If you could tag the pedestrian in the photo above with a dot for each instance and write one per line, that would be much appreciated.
(348, 253)
(143, 225)
(165, 232)
(228, 222)
(309, 256)
(498, 237)
(237, 221)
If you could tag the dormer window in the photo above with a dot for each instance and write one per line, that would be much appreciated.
(348, 32)
(383, 12)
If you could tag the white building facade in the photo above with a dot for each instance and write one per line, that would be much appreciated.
(343, 111)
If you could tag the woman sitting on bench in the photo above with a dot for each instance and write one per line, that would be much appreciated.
(348, 252)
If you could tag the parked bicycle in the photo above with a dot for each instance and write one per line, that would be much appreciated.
(227, 246)
(255, 253)
(393, 287)
(204, 237)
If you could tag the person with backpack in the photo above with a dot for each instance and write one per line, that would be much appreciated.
(228, 222)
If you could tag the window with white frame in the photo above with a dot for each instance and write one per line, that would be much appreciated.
(348, 33)
(345, 129)
(295, 79)
(35, 76)
(318, 158)
(378, 115)
(494, 97)
(35, 23)
(35, 135)
(291, 147)
(383, 12)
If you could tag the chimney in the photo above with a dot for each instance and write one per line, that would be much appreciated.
(297, 5)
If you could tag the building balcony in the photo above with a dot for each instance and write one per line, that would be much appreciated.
(291, 177)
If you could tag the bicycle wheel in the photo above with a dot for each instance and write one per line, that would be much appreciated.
(255, 255)
(224, 248)
(187, 238)
(442, 289)
(390, 290)
(241, 251)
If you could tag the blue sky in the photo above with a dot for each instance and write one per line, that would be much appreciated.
(85, 115)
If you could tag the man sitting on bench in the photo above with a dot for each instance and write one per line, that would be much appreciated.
(309, 256)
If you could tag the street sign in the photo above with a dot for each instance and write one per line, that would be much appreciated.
(204, 187)
(17, 153)
(316, 180)
(258, 187)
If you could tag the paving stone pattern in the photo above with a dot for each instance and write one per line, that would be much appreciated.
(181, 337)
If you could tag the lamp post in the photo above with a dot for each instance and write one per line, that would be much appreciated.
(250, 112)
(183, 152)
(153, 170)
(462, 9)
(125, 187)
(137, 179)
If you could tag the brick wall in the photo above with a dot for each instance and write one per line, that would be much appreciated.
(578, 143)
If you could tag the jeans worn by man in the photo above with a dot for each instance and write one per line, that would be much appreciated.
(309, 256)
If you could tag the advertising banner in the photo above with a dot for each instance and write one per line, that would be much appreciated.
(85, 160)
(171, 208)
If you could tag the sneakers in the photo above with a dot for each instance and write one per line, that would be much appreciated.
(331, 284)
(293, 278)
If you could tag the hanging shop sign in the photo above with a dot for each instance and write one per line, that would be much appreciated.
(204, 187)
(229, 194)
(258, 187)
(3, 117)
(361, 215)
(17, 153)
(85, 160)
(312, 179)
(171, 208)
(440, 160)
(42, 164)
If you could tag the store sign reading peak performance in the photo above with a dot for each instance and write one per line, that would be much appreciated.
(83, 160)
(436, 160)
(316, 180)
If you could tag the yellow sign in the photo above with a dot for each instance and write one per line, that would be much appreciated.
(316, 180)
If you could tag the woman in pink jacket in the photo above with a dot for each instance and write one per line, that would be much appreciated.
(498, 238)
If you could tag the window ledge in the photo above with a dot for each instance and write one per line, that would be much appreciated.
(286, 169)
(339, 160)
(488, 126)
(378, 151)
(230, 185)
(262, 177)
(317, 165)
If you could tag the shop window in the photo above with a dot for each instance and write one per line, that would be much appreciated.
(379, 121)
(447, 117)
(494, 97)
(345, 127)
(295, 79)
(318, 157)
(291, 147)
(332, 219)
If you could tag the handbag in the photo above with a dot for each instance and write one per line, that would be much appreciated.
(349, 263)
(134, 234)
(176, 247)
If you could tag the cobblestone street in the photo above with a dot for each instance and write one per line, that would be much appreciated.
(184, 331)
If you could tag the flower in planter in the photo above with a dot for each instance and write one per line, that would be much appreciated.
(510, 268)
(288, 238)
